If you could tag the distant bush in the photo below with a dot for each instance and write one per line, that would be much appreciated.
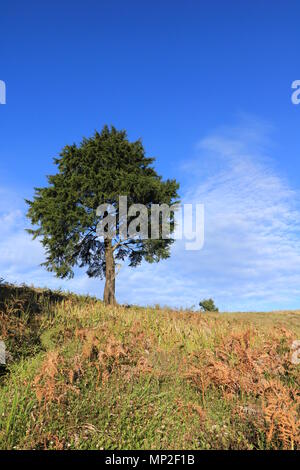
(208, 305)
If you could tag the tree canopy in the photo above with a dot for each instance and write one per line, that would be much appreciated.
(64, 213)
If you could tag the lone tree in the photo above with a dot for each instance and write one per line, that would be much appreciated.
(98, 171)
(208, 305)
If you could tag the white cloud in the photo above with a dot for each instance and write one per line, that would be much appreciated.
(252, 244)
(251, 256)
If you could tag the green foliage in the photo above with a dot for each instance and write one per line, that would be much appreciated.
(208, 305)
(25, 313)
(97, 171)
(134, 378)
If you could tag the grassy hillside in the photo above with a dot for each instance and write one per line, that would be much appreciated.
(82, 376)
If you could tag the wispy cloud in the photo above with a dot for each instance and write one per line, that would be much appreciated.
(251, 256)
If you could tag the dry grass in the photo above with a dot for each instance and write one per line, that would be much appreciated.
(152, 378)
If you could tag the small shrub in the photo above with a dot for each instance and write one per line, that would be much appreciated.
(208, 305)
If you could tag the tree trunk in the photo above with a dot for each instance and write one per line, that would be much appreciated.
(109, 289)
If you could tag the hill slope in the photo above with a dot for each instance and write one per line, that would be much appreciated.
(83, 376)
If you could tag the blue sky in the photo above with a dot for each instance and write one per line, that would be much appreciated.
(207, 86)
